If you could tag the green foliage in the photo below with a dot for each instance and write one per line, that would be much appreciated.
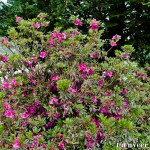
(63, 84)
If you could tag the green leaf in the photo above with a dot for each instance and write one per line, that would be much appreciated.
(29, 134)
(2, 95)
(1, 129)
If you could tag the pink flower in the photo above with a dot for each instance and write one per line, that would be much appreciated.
(116, 37)
(61, 145)
(32, 81)
(84, 70)
(13, 82)
(53, 100)
(100, 136)
(77, 32)
(89, 144)
(63, 35)
(30, 63)
(37, 25)
(118, 116)
(89, 70)
(126, 55)
(94, 99)
(108, 74)
(5, 85)
(81, 66)
(94, 25)
(40, 136)
(77, 22)
(124, 91)
(100, 82)
(33, 25)
(42, 54)
(71, 35)
(97, 122)
(113, 43)
(54, 78)
(52, 41)
(94, 55)
(4, 40)
(65, 111)
(24, 115)
(56, 35)
(107, 94)
(16, 144)
(4, 59)
(32, 109)
(33, 92)
(88, 136)
(23, 124)
(18, 19)
(9, 114)
(7, 105)
(104, 110)
(56, 115)
(60, 135)
(72, 90)
(126, 104)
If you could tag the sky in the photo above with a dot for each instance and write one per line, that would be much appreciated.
(4, 1)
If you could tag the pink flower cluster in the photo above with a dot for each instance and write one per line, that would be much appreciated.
(77, 22)
(72, 90)
(90, 140)
(56, 37)
(126, 55)
(33, 61)
(94, 25)
(100, 82)
(12, 84)
(9, 113)
(141, 75)
(24, 115)
(43, 54)
(108, 74)
(116, 37)
(54, 78)
(4, 58)
(35, 25)
(5, 42)
(16, 144)
(53, 100)
(94, 55)
(105, 110)
(84, 70)
(30, 63)
(124, 91)
(114, 40)
(35, 143)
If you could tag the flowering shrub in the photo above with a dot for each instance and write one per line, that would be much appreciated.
(55, 94)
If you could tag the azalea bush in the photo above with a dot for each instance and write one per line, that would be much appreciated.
(61, 90)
